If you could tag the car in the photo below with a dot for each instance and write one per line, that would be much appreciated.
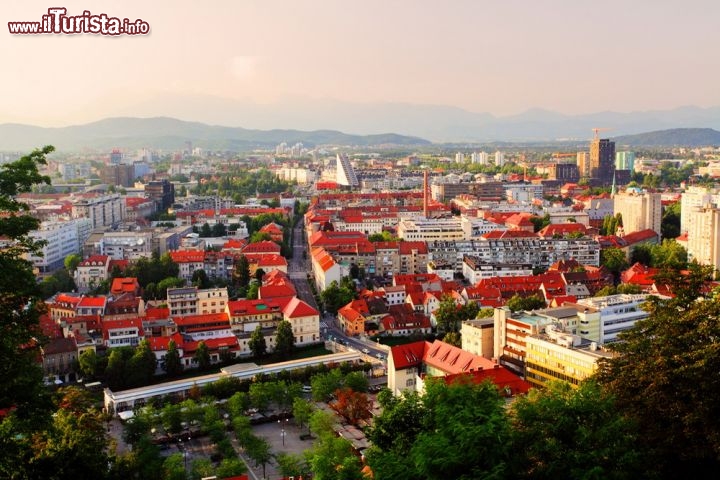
(307, 389)
(365, 351)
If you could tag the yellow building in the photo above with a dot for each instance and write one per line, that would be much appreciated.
(559, 356)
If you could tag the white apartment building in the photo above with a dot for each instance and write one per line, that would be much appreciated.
(474, 227)
(499, 158)
(695, 197)
(430, 230)
(617, 314)
(104, 210)
(62, 239)
(640, 211)
(703, 243)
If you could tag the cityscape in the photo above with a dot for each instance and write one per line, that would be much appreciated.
(367, 246)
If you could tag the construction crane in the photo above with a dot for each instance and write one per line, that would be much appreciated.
(596, 130)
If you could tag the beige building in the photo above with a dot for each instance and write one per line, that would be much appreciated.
(477, 336)
(193, 301)
(640, 211)
(704, 235)
(695, 197)
(430, 230)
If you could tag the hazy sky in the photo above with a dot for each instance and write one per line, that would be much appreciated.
(502, 57)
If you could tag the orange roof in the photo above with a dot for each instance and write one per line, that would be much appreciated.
(272, 291)
(265, 246)
(204, 319)
(124, 285)
(297, 308)
(94, 260)
(188, 256)
(255, 307)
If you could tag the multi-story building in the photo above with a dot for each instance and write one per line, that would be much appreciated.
(475, 269)
(345, 173)
(602, 161)
(703, 243)
(430, 230)
(695, 197)
(478, 336)
(120, 175)
(583, 164)
(103, 210)
(92, 271)
(485, 191)
(555, 355)
(625, 161)
(639, 211)
(127, 245)
(193, 301)
(617, 314)
(499, 158)
(162, 192)
(61, 239)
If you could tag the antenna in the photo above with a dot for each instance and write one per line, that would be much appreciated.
(596, 130)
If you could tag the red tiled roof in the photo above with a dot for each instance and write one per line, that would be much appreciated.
(273, 291)
(124, 285)
(89, 302)
(297, 308)
(94, 260)
(234, 244)
(204, 319)
(160, 344)
(254, 307)
(265, 246)
(562, 229)
(503, 378)
(271, 260)
(408, 355)
(156, 313)
(641, 236)
(498, 234)
(188, 256)
(212, 343)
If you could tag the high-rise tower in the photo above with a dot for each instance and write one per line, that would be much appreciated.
(602, 160)
(345, 174)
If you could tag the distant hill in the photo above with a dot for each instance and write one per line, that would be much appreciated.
(170, 133)
(685, 137)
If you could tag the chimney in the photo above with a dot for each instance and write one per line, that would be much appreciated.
(425, 193)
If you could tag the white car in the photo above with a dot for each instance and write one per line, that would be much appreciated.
(365, 351)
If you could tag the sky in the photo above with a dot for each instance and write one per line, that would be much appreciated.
(502, 57)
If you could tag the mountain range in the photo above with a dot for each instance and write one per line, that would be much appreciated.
(411, 124)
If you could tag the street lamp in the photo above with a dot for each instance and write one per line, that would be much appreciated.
(282, 430)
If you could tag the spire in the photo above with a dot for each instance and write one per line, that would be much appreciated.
(612, 189)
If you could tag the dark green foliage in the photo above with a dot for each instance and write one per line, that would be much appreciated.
(670, 226)
(202, 356)
(59, 281)
(257, 343)
(153, 270)
(337, 296)
(613, 259)
(285, 339)
(562, 432)
(532, 302)
(173, 365)
(665, 377)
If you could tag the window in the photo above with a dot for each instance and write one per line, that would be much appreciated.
(410, 382)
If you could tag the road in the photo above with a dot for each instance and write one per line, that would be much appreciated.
(298, 269)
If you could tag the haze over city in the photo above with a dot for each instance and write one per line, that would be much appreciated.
(260, 64)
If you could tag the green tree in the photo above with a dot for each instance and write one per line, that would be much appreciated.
(660, 377)
(258, 237)
(72, 261)
(257, 343)
(465, 434)
(302, 409)
(532, 302)
(230, 467)
(325, 384)
(242, 271)
(448, 314)
(89, 363)
(563, 432)
(164, 284)
(200, 279)
(670, 225)
(260, 451)
(142, 364)
(357, 382)
(285, 340)
(238, 403)
(453, 338)
(669, 254)
(642, 254)
(252, 291)
(202, 356)
(173, 365)
(21, 386)
(292, 465)
(260, 395)
(174, 467)
(614, 260)
(219, 230)
(336, 296)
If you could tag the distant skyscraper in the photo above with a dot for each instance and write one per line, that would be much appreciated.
(345, 174)
(704, 235)
(460, 157)
(583, 164)
(499, 158)
(625, 161)
(116, 157)
(602, 160)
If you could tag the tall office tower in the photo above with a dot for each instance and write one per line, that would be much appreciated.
(116, 157)
(345, 174)
(640, 211)
(499, 158)
(583, 164)
(602, 161)
(625, 161)
(704, 235)
(695, 197)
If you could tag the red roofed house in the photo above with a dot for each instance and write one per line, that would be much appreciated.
(403, 320)
(325, 269)
(91, 272)
(267, 262)
(520, 221)
(188, 261)
(274, 230)
(265, 246)
(352, 317)
(305, 321)
(122, 285)
(122, 333)
(410, 364)
(555, 230)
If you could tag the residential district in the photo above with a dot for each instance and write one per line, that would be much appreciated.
(515, 269)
